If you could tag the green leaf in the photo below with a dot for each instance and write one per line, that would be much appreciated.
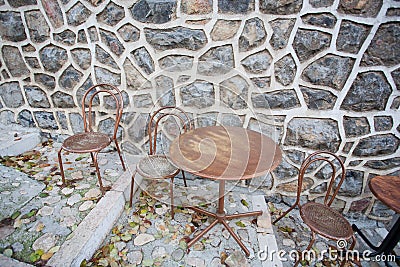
(15, 215)
(34, 257)
(240, 224)
(29, 214)
(133, 224)
(39, 252)
(143, 211)
(244, 203)
(303, 263)
(79, 158)
(271, 207)
(286, 229)
(43, 195)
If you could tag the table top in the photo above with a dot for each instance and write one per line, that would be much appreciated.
(225, 153)
(387, 190)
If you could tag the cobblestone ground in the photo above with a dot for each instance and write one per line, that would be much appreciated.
(147, 236)
(37, 214)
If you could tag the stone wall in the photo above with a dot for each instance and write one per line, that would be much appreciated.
(313, 74)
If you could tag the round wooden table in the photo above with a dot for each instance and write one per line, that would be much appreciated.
(224, 154)
(387, 190)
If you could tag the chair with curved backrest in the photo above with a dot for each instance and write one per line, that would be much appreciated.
(90, 141)
(158, 166)
(320, 217)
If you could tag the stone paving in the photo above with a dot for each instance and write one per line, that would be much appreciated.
(38, 216)
(147, 236)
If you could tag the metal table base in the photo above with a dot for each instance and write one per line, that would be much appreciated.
(221, 217)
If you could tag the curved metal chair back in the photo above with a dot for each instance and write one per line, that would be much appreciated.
(87, 105)
(334, 181)
(156, 165)
(90, 141)
(323, 156)
(321, 218)
(158, 116)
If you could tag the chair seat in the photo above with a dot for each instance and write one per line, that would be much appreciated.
(156, 167)
(326, 221)
(86, 142)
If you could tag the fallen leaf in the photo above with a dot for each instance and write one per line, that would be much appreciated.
(34, 257)
(223, 257)
(39, 227)
(29, 214)
(240, 224)
(79, 158)
(244, 203)
(286, 229)
(46, 256)
(43, 165)
(15, 215)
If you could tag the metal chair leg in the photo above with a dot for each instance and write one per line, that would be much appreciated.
(184, 178)
(284, 214)
(171, 192)
(61, 166)
(308, 248)
(103, 190)
(119, 153)
(355, 261)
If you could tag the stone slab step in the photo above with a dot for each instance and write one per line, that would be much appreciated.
(15, 139)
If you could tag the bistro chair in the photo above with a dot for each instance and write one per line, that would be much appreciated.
(320, 217)
(90, 141)
(157, 166)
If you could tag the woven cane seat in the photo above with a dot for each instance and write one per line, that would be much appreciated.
(156, 167)
(326, 221)
(86, 142)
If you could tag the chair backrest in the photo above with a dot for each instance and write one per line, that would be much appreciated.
(327, 160)
(87, 105)
(162, 114)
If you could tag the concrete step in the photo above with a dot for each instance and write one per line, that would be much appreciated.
(15, 139)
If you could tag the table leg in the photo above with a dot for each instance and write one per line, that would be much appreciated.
(388, 243)
(221, 217)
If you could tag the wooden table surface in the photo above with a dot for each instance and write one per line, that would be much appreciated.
(387, 190)
(227, 153)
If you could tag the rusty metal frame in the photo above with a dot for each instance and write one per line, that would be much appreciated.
(98, 140)
(329, 197)
(152, 129)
